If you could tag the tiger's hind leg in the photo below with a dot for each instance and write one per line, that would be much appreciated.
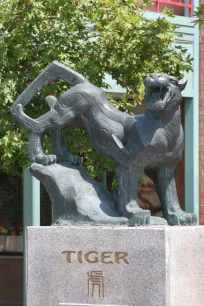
(35, 151)
(60, 148)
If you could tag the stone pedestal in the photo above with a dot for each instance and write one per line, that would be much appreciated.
(143, 266)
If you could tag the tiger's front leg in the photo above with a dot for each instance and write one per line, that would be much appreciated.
(127, 194)
(168, 196)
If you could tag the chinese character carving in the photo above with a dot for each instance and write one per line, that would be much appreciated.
(96, 284)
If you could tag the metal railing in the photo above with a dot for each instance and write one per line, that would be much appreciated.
(188, 5)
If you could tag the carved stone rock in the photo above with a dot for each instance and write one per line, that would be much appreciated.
(78, 199)
(75, 197)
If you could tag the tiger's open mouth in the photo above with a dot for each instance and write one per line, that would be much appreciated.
(156, 95)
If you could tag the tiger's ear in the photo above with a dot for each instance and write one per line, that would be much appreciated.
(182, 84)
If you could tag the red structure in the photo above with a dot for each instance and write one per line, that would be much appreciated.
(160, 4)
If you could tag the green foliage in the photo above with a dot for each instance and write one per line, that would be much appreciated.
(199, 14)
(93, 37)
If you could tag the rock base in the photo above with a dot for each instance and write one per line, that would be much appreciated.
(94, 265)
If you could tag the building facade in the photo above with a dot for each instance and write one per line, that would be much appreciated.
(201, 121)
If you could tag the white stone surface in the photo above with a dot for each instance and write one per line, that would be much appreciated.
(159, 266)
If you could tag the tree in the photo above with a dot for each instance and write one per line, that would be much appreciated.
(199, 14)
(93, 37)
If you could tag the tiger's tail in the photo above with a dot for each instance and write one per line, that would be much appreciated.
(54, 71)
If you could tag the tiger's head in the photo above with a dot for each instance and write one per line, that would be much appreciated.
(163, 92)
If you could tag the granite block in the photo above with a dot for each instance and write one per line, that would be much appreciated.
(120, 266)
